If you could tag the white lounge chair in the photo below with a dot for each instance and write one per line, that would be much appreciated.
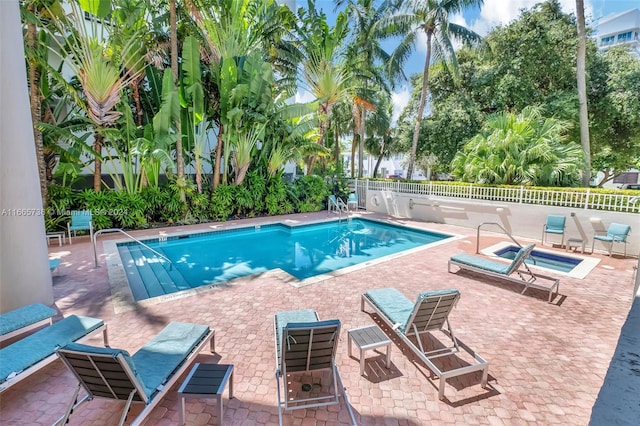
(27, 355)
(144, 377)
(305, 344)
(21, 320)
(505, 270)
(429, 313)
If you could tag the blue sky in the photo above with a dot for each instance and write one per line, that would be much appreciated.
(492, 13)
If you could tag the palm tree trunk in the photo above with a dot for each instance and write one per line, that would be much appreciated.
(97, 170)
(336, 149)
(36, 106)
(136, 99)
(423, 99)
(363, 117)
(216, 166)
(582, 93)
(375, 169)
(173, 35)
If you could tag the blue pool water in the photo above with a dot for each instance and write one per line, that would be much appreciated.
(302, 251)
(555, 262)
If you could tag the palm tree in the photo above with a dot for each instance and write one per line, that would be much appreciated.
(582, 93)
(325, 73)
(522, 149)
(365, 53)
(432, 17)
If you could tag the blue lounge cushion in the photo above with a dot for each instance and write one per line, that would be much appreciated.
(555, 224)
(521, 255)
(160, 357)
(80, 220)
(393, 304)
(54, 263)
(616, 232)
(38, 346)
(478, 262)
(426, 294)
(297, 316)
(23, 317)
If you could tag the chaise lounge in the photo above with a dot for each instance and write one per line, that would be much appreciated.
(304, 344)
(410, 321)
(27, 355)
(143, 377)
(26, 318)
(503, 270)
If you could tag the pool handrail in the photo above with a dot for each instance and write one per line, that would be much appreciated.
(104, 231)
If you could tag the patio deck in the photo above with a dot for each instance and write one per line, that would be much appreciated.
(547, 361)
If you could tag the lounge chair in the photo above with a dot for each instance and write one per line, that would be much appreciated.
(81, 220)
(429, 313)
(304, 344)
(143, 377)
(504, 270)
(21, 320)
(33, 352)
(616, 233)
(555, 225)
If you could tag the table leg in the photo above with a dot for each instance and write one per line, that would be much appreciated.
(219, 402)
(231, 385)
(181, 413)
(361, 362)
(60, 240)
(388, 356)
(349, 344)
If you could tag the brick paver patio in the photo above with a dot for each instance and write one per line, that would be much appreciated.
(547, 361)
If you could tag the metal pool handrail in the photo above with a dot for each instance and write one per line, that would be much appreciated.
(503, 230)
(104, 231)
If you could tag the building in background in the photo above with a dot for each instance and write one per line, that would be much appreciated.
(619, 29)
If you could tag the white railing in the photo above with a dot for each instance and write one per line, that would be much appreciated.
(586, 199)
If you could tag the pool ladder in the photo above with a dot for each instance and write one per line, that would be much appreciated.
(109, 230)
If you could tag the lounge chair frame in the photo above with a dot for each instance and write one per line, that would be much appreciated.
(48, 360)
(422, 321)
(114, 374)
(525, 277)
(289, 349)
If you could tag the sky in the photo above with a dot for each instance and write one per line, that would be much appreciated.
(490, 15)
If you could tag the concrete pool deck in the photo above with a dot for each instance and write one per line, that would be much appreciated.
(547, 362)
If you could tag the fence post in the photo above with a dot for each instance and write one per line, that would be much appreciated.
(470, 191)
(521, 194)
(586, 201)
(430, 188)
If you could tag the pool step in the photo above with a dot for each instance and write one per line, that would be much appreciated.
(151, 283)
(168, 276)
(136, 284)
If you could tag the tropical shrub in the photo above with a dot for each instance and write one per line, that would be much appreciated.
(221, 205)
(310, 193)
(277, 200)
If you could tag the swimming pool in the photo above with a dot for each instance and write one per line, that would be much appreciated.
(303, 251)
(570, 265)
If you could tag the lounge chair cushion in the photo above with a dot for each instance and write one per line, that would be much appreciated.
(394, 304)
(426, 294)
(521, 255)
(478, 262)
(53, 264)
(34, 348)
(615, 232)
(156, 360)
(299, 316)
(23, 317)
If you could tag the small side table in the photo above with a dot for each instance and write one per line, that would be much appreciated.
(205, 381)
(574, 242)
(59, 235)
(369, 337)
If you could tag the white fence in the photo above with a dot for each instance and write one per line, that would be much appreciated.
(587, 199)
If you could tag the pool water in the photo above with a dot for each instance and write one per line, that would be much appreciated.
(303, 251)
(555, 262)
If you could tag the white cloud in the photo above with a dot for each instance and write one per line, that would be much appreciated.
(500, 12)
(399, 100)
